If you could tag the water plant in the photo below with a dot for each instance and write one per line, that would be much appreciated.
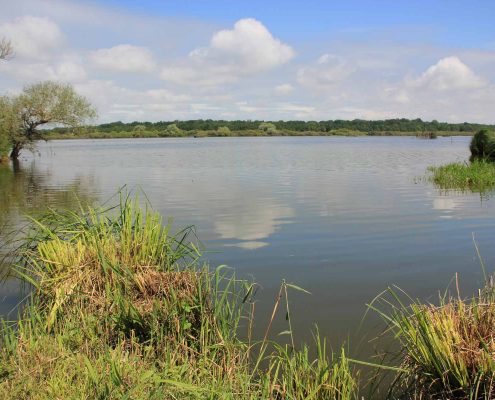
(120, 307)
(478, 176)
(447, 350)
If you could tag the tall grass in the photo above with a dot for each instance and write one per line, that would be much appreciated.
(476, 176)
(121, 308)
(447, 350)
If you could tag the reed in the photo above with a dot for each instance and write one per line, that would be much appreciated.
(447, 350)
(476, 176)
(120, 307)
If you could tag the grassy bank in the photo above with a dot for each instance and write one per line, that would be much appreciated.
(476, 176)
(95, 134)
(120, 308)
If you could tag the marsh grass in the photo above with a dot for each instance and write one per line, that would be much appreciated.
(121, 308)
(476, 176)
(447, 350)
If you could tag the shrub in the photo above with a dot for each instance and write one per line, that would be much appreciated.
(267, 127)
(223, 131)
(483, 145)
(173, 130)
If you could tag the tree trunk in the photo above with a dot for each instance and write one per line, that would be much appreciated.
(16, 150)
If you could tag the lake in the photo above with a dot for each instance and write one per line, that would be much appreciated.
(342, 217)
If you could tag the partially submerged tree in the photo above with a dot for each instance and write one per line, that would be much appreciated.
(6, 49)
(41, 104)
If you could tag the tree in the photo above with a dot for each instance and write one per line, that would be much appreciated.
(41, 104)
(172, 130)
(267, 127)
(6, 49)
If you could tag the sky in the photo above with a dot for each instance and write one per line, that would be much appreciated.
(154, 60)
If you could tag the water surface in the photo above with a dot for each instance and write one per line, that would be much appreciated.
(342, 217)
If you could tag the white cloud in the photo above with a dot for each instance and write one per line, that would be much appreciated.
(32, 37)
(252, 43)
(327, 71)
(246, 49)
(449, 73)
(124, 57)
(70, 72)
(65, 71)
(207, 75)
(283, 89)
(241, 71)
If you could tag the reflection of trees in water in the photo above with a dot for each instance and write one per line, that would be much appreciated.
(24, 190)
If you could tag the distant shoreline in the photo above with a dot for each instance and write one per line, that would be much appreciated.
(244, 133)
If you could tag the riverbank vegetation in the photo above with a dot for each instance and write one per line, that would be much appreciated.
(222, 128)
(477, 175)
(120, 307)
(224, 131)
(447, 350)
(388, 127)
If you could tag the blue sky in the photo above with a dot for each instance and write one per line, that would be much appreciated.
(459, 23)
(165, 60)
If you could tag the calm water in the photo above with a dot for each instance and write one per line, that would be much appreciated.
(342, 217)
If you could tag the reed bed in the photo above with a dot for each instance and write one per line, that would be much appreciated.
(447, 350)
(478, 176)
(121, 308)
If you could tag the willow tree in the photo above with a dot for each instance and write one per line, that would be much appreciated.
(42, 104)
(6, 49)
(6, 52)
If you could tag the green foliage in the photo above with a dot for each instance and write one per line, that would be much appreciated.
(9, 123)
(224, 131)
(476, 176)
(39, 104)
(139, 128)
(346, 132)
(483, 145)
(267, 127)
(376, 127)
(172, 130)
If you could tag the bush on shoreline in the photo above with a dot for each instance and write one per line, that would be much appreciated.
(483, 146)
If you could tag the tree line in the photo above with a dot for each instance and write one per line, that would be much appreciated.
(389, 125)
